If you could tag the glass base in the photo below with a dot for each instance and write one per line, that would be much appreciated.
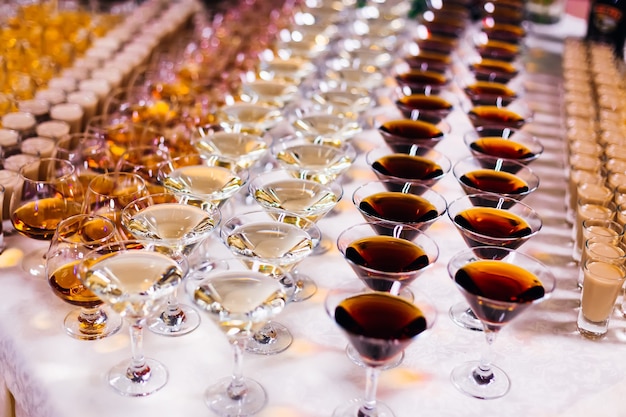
(324, 245)
(463, 316)
(354, 356)
(353, 409)
(178, 325)
(464, 380)
(153, 381)
(271, 339)
(305, 287)
(74, 326)
(35, 263)
(217, 398)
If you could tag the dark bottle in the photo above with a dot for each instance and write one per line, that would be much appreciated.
(607, 24)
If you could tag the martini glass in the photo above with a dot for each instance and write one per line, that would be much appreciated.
(180, 222)
(48, 192)
(413, 204)
(245, 148)
(415, 164)
(313, 158)
(249, 117)
(486, 174)
(503, 142)
(212, 177)
(498, 289)
(485, 221)
(135, 279)
(279, 189)
(401, 134)
(240, 303)
(338, 128)
(73, 238)
(271, 242)
(379, 326)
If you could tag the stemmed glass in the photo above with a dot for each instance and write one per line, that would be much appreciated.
(245, 148)
(108, 194)
(272, 242)
(488, 220)
(498, 289)
(144, 160)
(180, 222)
(73, 238)
(48, 192)
(379, 326)
(240, 303)
(280, 190)
(135, 279)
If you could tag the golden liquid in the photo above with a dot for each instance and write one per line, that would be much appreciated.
(204, 180)
(66, 285)
(314, 162)
(39, 219)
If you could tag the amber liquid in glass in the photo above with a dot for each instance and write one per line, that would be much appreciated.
(494, 115)
(408, 167)
(66, 285)
(39, 219)
(501, 148)
(493, 181)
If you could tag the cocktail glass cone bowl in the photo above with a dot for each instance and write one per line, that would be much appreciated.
(413, 205)
(281, 190)
(503, 142)
(312, 158)
(485, 221)
(245, 148)
(416, 164)
(240, 303)
(400, 134)
(514, 116)
(498, 289)
(379, 326)
(180, 222)
(248, 117)
(327, 125)
(272, 242)
(134, 279)
(211, 177)
(431, 108)
(486, 174)
(73, 238)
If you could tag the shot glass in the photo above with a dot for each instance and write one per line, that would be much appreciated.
(602, 248)
(601, 286)
(587, 210)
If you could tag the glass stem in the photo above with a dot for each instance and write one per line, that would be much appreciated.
(237, 388)
(173, 316)
(138, 371)
(92, 320)
(483, 373)
(368, 408)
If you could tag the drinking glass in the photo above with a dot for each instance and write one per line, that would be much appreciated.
(431, 108)
(280, 190)
(73, 238)
(48, 192)
(135, 279)
(144, 160)
(485, 221)
(401, 134)
(313, 158)
(245, 148)
(108, 194)
(412, 205)
(239, 303)
(379, 326)
(415, 164)
(503, 142)
(180, 222)
(272, 242)
(248, 117)
(498, 289)
(485, 174)
(328, 126)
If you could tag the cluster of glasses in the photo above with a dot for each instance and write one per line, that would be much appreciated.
(254, 149)
(596, 167)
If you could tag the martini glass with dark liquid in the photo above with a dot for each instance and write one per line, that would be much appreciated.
(379, 326)
(272, 242)
(485, 221)
(401, 134)
(503, 142)
(498, 289)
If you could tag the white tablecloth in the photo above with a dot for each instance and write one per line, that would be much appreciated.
(554, 371)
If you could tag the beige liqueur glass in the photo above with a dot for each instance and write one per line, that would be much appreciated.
(602, 283)
(48, 192)
(245, 148)
(272, 242)
(73, 238)
(134, 279)
(595, 232)
(180, 222)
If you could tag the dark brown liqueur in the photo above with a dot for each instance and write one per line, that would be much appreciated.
(379, 326)
(408, 167)
(494, 115)
(494, 70)
(410, 129)
(499, 50)
(399, 207)
(428, 59)
(502, 284)
(421, 77)
(431, 109)
(386, 254)
(493, 181)
(502, 148)
(490, 93)
(504, 32)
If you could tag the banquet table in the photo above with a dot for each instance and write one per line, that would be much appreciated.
(554, 371)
